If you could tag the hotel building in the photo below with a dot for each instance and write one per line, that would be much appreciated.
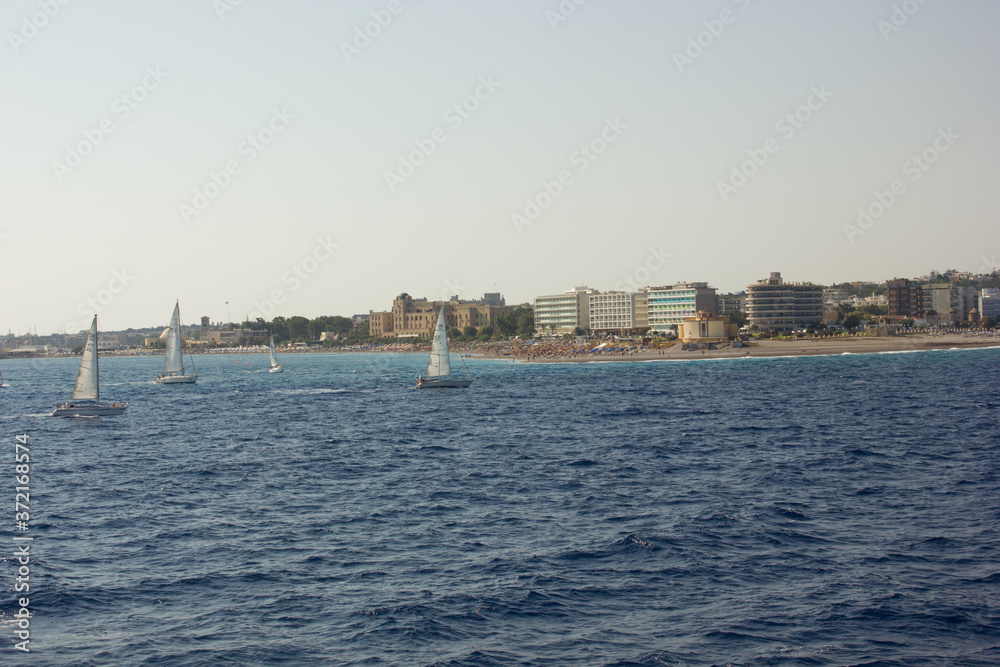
(612, 311)
(563, 313)
(774, 305)
(670, 305)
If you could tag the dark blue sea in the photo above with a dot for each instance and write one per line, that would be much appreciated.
(837, 510)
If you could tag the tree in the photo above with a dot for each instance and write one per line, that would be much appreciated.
(78, 349)
(872, 309)
(852, 321)
(987, 323)
(845, 308)
(298, 328)
(737, 317)
(469, 331)
(454, 332)
(278, 328)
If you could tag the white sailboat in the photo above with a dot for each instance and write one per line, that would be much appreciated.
(275, 366)
(86, 398)
(439, 366)
(173, 360)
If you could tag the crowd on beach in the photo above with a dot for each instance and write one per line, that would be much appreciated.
(558, 349)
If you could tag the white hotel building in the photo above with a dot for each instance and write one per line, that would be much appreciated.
(612, 311)
(562, 313)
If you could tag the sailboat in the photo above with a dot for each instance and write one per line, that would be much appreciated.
(275, 366)
(86, 398)
(439, 366)
(173, 361)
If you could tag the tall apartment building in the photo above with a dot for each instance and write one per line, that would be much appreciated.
(774, 305)
(731, 303)
(563, 313)
(670, 305)
(612, 311)
(989, 303)
(906, 298)
(416, 318)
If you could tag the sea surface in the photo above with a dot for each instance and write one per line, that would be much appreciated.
(837, 510)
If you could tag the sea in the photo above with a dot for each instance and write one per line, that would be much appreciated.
(837, 510)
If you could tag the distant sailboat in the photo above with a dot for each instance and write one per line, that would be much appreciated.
(439, 366)
(173, 360)
(86, 398)
(275, 366)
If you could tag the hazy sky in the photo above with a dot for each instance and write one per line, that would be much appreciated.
(272, 155)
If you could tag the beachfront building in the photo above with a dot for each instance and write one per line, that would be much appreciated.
(774, 305)
(380, 324)
(417, 318)
(938, 297)
(670, 305)
(612, 311)
(731, 303)
(945, 298)
(989, 303)
(906, 298)
(641, 310)
(563, 313)
(707, 328)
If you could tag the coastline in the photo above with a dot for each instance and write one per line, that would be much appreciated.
(780, 348)
(566, 353)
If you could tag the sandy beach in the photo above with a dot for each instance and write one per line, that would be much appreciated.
(764, 348)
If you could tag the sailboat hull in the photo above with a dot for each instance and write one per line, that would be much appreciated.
(88, 410)
(176, 379)
(276, 369)
(444, 383)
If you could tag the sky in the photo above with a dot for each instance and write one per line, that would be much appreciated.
(254, 158)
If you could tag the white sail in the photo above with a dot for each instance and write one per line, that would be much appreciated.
(274, 359)
(172, 360)
(86, 379)
(440, 364)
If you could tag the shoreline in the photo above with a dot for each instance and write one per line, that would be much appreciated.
(558, 354)
(777, 348)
